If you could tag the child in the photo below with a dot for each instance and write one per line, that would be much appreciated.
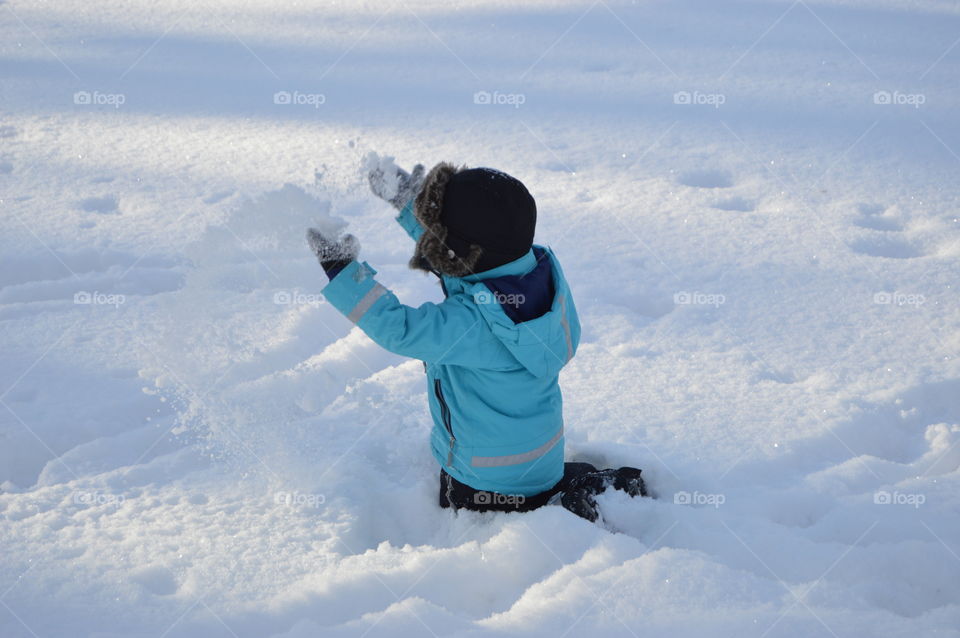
(492, 351)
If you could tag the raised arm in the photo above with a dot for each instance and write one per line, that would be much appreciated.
(429, 332)
(399, 188)
(409, 222)
(451, 332)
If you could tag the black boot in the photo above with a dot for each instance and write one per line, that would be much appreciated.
(581, 492)
(628, 480)
(580, 501)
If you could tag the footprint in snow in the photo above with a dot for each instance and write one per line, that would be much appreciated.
(876, 217)
(891, 248)
(886, 241)
(102, 205)
(915, 429)
(706, 178)
(738, 204)
(159, 581)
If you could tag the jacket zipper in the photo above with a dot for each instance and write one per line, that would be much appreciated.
(445, 416)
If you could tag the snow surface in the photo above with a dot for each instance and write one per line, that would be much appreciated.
(755, 203)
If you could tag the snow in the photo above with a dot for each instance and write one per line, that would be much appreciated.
(755, 204)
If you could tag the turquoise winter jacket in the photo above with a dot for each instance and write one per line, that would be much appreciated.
(492, 380)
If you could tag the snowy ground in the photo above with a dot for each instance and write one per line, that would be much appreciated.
(755, 203)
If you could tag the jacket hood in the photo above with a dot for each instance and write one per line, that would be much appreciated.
(542, 344)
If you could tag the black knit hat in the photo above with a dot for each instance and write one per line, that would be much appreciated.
(473, 220)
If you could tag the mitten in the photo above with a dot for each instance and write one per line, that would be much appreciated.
(395, 185)
(333, 254)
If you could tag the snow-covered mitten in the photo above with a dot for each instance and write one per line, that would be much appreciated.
(391, 183)
(333, 254)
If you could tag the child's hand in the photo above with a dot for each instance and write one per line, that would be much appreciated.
(395, 185)
(332, 254)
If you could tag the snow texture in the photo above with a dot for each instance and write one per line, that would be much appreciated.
(755, 203)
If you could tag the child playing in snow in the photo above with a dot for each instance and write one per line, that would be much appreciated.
(492, 350)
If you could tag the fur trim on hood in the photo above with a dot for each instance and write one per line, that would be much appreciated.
(432, 249)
